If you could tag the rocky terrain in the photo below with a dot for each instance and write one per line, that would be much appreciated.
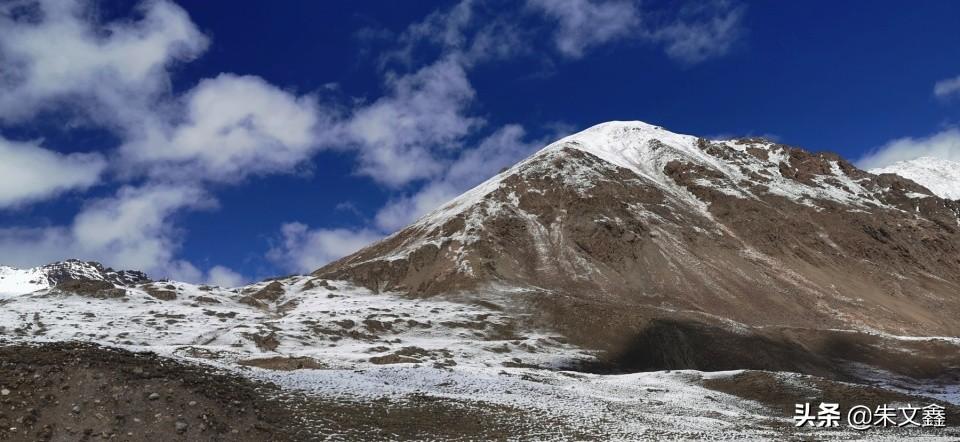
(625, 282)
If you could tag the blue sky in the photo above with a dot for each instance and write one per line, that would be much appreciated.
(224, 142)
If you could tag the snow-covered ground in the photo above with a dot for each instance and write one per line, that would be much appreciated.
(367, 345)
(624, 406)
(450, 350)
(337, 324)
(16, 281)
(942, 177)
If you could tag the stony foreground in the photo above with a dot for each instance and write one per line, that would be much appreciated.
(71, 391)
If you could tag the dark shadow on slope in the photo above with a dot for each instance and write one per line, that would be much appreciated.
(666, 344)
(673, 345)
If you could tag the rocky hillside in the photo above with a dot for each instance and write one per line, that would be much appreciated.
(627, 234)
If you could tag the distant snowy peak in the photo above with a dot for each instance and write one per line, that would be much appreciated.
(88, 270)
(942, 177)
(15, 281)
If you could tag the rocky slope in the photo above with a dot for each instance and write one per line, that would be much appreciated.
(628, 238)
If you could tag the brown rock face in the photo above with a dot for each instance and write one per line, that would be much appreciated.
(91, 288)
(604, 235)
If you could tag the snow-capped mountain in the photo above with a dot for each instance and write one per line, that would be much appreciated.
(942, 177)
(627, 233)
(15, 281)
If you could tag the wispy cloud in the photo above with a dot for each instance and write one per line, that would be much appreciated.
(701, 31)
(302, 249)
(948, 87)
(695, 32)
(582, 24)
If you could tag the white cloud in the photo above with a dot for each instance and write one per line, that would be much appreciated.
(701, 31)
(229, 127)
(424, 111)
(53, 52)
(501, 149)
(116, 74)
(132, 227)
(944, 145)
(446, 28)
(132, 230)
(947, 87)
(31, 173)
(305, 250)
(224, 277)
(582, 24)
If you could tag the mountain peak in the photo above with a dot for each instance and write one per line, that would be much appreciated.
(614, 125)
(633, 145)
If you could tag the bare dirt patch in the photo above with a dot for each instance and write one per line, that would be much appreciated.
(284, 363)
(83, 392)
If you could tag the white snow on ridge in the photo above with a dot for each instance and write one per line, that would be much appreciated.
(646, 149)
(942, 177)
(17, 282)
